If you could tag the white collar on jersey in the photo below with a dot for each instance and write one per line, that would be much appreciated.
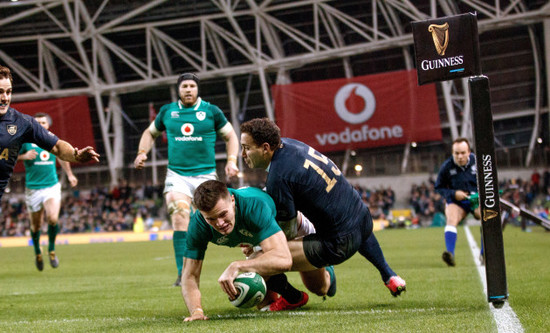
(199, 100)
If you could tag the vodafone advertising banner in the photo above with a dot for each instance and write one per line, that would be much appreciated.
(361, 112)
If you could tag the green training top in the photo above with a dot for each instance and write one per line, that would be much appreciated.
(40, 172)
(191, 136)
(254, 221)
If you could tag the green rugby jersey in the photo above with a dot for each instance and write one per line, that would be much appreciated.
(254, 221)
(40, 172)
(191, 134)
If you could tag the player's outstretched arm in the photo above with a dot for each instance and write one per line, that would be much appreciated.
(145, 144)
(190, 289)
(67, 152)
(275, 259)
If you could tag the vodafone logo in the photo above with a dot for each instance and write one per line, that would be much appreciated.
(361, 100)
(187, 129)
(44, 156)
(354, 90)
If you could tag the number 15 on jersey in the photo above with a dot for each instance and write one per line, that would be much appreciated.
(326, 163)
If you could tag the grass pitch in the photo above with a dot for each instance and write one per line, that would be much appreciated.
(126, 287)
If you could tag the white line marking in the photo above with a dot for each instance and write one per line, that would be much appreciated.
(237, 315)
(163, 258)
(505, 318)
(325, 313)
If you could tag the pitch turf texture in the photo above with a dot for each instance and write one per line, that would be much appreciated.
(126, 287)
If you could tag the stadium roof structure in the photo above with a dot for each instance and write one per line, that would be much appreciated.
(109, 48)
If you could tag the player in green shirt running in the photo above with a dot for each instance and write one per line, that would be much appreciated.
(43, 192)
(191, 125)
(243, 217)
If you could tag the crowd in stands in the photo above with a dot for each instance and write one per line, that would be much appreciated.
(380, 201)
(115, 209)
(100, 209)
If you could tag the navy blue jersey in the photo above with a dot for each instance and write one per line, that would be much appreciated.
(452, 177)
(302, 179)
(17, 128)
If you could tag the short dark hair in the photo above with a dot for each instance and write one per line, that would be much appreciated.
(263, 130)
(44, 115)
(5, 73)
(462, 139)
(208, 194)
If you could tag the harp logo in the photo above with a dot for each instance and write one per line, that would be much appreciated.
(446, 48)
(440, 35)
(489, 214)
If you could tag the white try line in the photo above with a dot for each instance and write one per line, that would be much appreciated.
(235, 315)
(505, 318)
(325, 313)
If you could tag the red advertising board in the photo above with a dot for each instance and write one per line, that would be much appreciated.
(70, 119)
(361, 112)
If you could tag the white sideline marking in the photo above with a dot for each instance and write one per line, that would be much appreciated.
(506, 319)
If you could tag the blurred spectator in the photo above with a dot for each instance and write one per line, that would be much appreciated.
(380, 201)
(535, 180)
(546, 182)
(426, 202)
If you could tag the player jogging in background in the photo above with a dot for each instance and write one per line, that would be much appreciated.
(191, 125)
(301, 179)
(43, 192)
(455, 182)
(243, 217)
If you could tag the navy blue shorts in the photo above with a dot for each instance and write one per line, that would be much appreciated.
(464, 204)
(322, 251)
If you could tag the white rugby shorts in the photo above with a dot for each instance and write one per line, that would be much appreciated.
(185, 184)
(35, 198)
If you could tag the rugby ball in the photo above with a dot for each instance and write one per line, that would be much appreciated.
(251, 290)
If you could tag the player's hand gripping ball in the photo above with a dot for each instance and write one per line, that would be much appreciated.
(251, 288)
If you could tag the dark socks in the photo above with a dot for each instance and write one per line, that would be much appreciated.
(53, 230)
(371, 250)
(279, 284)
(35, 235)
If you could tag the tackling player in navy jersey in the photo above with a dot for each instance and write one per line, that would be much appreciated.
(301, 179)
(17, 128)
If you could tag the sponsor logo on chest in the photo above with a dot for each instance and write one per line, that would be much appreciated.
(188, 129)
